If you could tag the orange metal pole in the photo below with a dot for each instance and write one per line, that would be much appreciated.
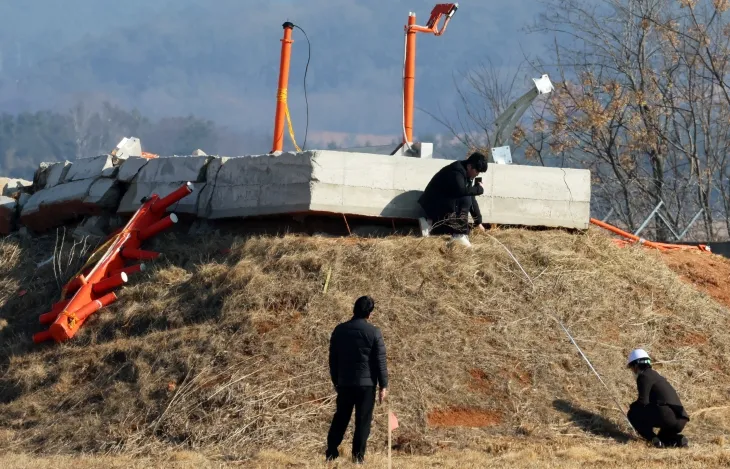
(286, 43)
(409, 81)
(634, 238)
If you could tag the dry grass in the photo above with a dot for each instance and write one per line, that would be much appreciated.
(497, 455)
(222, 348)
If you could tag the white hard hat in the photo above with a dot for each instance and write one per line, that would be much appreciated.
(638, 354)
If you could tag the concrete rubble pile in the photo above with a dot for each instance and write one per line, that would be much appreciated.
(92, 190)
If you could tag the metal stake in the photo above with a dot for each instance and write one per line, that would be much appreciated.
(648, 219)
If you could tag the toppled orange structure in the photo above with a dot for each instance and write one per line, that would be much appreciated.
(631, 238)
(106, 268)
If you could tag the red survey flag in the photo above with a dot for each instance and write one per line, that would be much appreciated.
(392, 421)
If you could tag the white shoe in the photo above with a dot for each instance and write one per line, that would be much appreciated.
(425, 227)
(461, 239)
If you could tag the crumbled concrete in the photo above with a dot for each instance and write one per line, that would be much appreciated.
(52, 207)
(132, 199)
(174, 169)
(130, 168)
(57, 173)
(88, 168)
(8, 212)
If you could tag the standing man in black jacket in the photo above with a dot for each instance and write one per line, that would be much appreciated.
(450, 197)
(357, 365)
(658, 405)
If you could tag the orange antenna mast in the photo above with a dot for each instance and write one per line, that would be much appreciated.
(409, 66)
(281, 95)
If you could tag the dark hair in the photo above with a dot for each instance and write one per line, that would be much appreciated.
(478, 161)
(363, 307)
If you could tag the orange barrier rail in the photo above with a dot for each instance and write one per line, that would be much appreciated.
(651, 244)
(91, 286)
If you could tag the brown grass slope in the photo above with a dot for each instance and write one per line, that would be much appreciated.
(222, 346)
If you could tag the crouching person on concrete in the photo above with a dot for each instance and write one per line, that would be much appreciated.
(357, 365)
(450, 197)
(658, 405)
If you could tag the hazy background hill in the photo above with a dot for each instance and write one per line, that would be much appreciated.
(219, 59)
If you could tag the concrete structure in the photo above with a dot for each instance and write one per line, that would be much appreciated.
(129, 169)
(387, 186)
(54, 206)
(56, 174)
(296, 183)
(162, 176)
(87, 168)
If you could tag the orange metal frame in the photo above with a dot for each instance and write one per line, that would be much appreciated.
(284, 62)
(635, 239)
(409, 79)
(92, 286)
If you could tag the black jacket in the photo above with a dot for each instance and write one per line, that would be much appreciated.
(357, 355)
(654, 389)
(448, 185)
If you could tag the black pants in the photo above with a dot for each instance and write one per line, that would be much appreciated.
(362, 398)
(645, 419)
(451, 219)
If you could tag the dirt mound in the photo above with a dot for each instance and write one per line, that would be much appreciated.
(708, 272)
(457, 417)
(222, 346)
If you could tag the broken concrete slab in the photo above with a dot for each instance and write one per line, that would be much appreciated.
(199, 152)
(110, 172)
(54, 206)
(12, 188)
(8, 213)
(89, 168)
(57, 173)
(129, 169)
(260, 185)
(104, 193)
(171, 169)
(40, 176)
(128, 147)
(132, 199)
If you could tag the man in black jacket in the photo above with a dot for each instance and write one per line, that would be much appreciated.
(357, 365)
(658, 405)
(450, 197)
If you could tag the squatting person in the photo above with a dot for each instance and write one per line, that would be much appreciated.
(450, 197)
(658, 405)
(357, 365)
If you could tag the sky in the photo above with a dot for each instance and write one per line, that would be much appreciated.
(218, 59)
